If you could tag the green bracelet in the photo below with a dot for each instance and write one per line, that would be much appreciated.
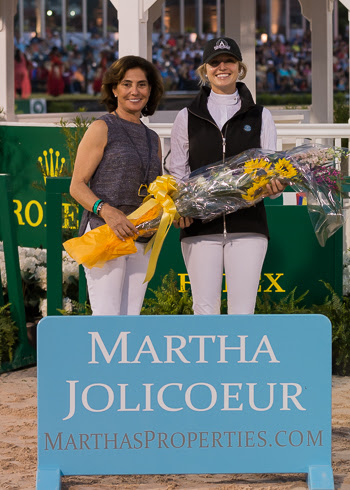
(95, 206)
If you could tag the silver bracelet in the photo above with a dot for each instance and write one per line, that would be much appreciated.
(99, 207)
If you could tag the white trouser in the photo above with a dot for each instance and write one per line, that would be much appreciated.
(241, 255)
(117, 288)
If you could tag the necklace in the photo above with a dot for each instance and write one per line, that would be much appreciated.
(142, 192)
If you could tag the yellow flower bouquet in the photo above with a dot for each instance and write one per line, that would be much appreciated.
(220, 188)
(241, 182)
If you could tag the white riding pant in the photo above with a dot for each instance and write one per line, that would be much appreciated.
(117, 288)
(240, 255)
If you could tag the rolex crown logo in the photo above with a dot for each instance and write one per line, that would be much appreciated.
(50, 166)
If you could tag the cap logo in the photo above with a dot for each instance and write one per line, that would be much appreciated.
(221, 44)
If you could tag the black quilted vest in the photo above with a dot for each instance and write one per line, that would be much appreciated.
(242, 132)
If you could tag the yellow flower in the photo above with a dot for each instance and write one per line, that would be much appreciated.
(285, 169)
(261, 181)
(251, 166)
(271, 174)
(256, 190)
(250, 195)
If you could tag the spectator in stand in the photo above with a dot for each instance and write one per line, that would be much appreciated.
(169, 76)
(284, 70)
(22, 78)
(55, 40)
(261, 72)
(284, 78)
(71, 46)
(307, 74)
(172, 41)
(271, 76)
(67, 78)
(185, 74)
(78, 81)
(281, 65)
(55, 82)
(97, 82)
(341, 82)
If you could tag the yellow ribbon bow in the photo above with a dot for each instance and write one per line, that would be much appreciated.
(101, 244)
(161, 189)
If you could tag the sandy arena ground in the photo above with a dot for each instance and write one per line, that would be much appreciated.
(18, 449)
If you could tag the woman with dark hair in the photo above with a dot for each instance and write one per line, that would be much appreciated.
(22, 78)
(117, 159)
(222, 121)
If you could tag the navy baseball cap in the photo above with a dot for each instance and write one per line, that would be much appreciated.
(221, 45)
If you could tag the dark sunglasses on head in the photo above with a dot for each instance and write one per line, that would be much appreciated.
(214, 63)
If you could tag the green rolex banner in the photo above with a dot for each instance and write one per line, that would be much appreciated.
(294, 257)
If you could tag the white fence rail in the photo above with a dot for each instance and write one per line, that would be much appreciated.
(288, 135)
(318, 133)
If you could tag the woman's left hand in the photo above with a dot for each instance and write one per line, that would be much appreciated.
(275, 187)
(183, 222)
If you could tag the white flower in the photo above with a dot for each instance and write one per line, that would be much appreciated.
(28, 263)
(70, 268)
(43, 306)
(67, 305)
(41, 276)
(346, 258)
(65, 256)
(3, 270)
(40, 254)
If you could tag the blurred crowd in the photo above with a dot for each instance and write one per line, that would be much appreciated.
(77, 67)
(285, 66)
(45, 65)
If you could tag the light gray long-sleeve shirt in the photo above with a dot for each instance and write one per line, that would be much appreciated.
(221, 108)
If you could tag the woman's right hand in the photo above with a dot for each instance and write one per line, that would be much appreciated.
(183, 222)
(118, 222)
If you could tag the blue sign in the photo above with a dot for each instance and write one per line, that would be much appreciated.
(189, 394)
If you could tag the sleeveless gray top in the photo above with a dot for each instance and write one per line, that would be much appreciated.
(123, 167)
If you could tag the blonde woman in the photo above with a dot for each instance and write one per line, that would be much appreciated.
(222, 121)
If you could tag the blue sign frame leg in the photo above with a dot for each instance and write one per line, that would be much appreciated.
(48, 478)
(320, 478)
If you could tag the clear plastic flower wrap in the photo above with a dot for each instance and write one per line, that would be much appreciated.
(241, 182)
(322, 184)
(220, 188)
